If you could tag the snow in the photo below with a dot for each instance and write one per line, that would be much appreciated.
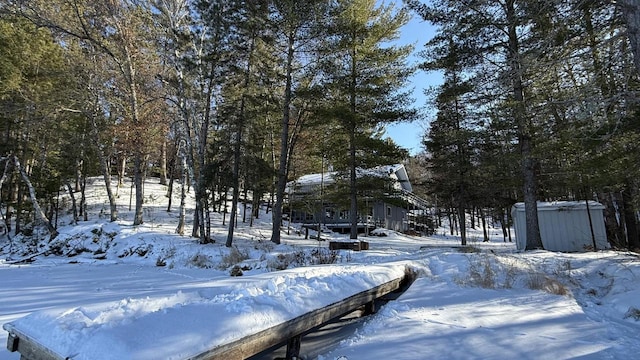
(217, 313)
(485, 301)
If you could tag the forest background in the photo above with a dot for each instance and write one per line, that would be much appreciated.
(232, 98)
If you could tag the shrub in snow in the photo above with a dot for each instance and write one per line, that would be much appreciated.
(299, 258)
(235, 256)
(141, 250)
(323, 256)
(482, 274)
(166, 254)
(201, 261)
(236, 271)
(542, 282)
(285, 260)
(378, 232)
(633, 313)
(469, 249)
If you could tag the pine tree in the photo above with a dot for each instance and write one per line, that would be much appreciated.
(493, 30)
(299, 28)
(32, 72)
(449, 140)
(364, 76)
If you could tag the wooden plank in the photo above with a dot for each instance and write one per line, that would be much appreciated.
(28, 347)
(293, 347)
(12, 342)
(352, 245)
(256, 343)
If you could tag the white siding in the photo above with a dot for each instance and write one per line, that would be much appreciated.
(564, 225)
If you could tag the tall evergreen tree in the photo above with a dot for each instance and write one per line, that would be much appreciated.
(32, 72)
(449, 140)
(495, 30)
(364, 75)
(298, 28)
(241, 87)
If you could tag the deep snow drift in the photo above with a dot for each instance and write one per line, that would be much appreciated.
(106, 297)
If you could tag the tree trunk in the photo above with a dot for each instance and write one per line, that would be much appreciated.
(615, 232)
(105, 163)
(3, 179)
(353, 195)
(207, 221)
(245, 193)
(137, 180)
(224, 205)
(199, 189)
(74, 207)
(236, 186)
(630, 217)
(83, 199)
(463, 225)
(41, 218)
(163, 163)
(473, 217)
(183, 196)
(284, 142)
(483, 219)
(238, 146)
(503, 223)
(170, 194)
(18, 210)
(456, 220)
(524, 132)
(122, 170)
(631, 14)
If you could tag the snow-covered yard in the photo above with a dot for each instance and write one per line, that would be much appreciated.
(111, 300)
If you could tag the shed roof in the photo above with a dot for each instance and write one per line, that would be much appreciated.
(562, 205)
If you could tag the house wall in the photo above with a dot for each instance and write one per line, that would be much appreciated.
(564, 226)
(390, 216)
(383, 215)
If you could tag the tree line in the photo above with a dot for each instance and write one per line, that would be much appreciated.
(235, 98)
(229, 98)
(539, 102)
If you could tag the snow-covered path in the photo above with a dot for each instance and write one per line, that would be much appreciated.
(434, 320)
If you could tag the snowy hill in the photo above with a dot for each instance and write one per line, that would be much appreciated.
(100, 280)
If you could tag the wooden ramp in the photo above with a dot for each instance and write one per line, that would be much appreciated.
(289, 332)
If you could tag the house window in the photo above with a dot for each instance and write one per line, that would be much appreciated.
(388, 210)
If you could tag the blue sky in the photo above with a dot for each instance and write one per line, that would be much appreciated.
(409, 135)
